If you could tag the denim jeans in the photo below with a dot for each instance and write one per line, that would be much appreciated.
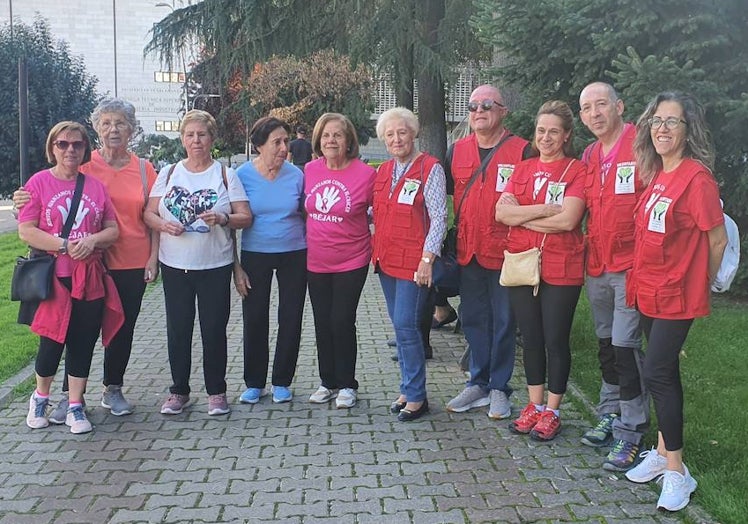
(405, 301)
(488, 324)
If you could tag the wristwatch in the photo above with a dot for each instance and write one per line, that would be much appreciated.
(426, 259)
(64, 247)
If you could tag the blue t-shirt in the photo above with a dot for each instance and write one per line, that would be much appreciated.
(276, 205)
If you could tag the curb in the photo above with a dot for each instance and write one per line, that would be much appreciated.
(6, 387)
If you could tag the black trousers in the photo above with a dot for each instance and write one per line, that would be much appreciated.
(212, 288)
(545, 323)
(665, 339)
(131, 287)
(80, 340)
(334, 298)
(290, 271)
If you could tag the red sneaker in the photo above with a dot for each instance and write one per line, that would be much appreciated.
(527, 420)
(547, 427)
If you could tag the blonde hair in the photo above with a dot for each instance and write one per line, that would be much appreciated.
(61, 127)
(203, 117)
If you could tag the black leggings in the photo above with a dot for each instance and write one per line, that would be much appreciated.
(212, 288)
(545, 323)
(131, 287)
(290, 270)
(665, 339)
(334, 298)
(80, 340)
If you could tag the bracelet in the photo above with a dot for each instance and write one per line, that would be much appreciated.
(228, 218)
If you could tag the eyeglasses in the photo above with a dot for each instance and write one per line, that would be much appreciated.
(63, 145)
(120, 126)
(486, 105)
(670, 123)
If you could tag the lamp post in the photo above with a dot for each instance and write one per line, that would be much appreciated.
(203, 95)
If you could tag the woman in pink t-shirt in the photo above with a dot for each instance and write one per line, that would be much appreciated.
(81, 286)
(339, 189)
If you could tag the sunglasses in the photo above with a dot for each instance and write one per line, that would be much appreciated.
(63, 145)
(486, 105)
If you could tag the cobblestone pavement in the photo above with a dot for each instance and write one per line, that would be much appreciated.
(304, 463)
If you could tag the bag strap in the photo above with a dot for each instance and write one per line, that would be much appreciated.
(480, 169)
(144, 181)
(542, 244)
(74, 204)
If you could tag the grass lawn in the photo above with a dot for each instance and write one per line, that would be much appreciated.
(17, 344)
(714, 370)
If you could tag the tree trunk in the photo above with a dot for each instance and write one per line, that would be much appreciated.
(431, 92)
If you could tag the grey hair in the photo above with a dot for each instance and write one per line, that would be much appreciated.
(115, 105)
(698, 138)
(397, 113)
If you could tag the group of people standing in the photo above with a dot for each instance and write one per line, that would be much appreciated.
(654, 240)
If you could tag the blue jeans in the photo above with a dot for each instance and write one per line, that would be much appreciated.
(405, 302)
(488, 324)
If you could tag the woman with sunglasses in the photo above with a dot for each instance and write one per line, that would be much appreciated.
(83, 294)
(679, 242)
(132, 260)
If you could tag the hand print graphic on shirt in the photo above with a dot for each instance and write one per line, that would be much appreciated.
(80, 215)
(329, 197)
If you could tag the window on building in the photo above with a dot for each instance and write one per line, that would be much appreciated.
(172, 77)
(167, 125)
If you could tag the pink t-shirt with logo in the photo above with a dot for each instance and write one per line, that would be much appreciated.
(337, 225)
(50, 204)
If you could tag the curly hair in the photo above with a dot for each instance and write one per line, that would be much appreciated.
(698, 138)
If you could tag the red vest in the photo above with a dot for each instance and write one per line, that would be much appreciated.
(610, 223)
(479, 235)
(400, 227)
(670, 276)
(563, 253)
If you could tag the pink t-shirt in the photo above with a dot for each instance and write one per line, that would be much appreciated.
(50, 204)
(337, 224)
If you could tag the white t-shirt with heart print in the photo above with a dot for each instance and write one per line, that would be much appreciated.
(183, 199)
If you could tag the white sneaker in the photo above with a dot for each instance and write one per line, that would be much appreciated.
(346, 398)
(676, 490)
(323, 395)
(651, 467)
(37, 417)
(78, 421)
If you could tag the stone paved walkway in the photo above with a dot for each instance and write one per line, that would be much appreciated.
(304, 463)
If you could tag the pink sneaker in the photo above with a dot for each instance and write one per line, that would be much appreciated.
(218, 405)
(175, 404)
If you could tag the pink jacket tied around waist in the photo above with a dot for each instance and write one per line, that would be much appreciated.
(90, 281)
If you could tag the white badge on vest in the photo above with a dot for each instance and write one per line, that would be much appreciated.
(555, 193)
(503, 175)
(657, 215)
(625, 179)
(409, 191)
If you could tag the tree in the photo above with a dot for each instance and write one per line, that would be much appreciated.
(411, 40)
(59, 89)
(553, 48)
(160, 149)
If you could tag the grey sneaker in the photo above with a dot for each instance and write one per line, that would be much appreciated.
(60, 413)
(470, 397)
(501, 407)
(114, 400)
